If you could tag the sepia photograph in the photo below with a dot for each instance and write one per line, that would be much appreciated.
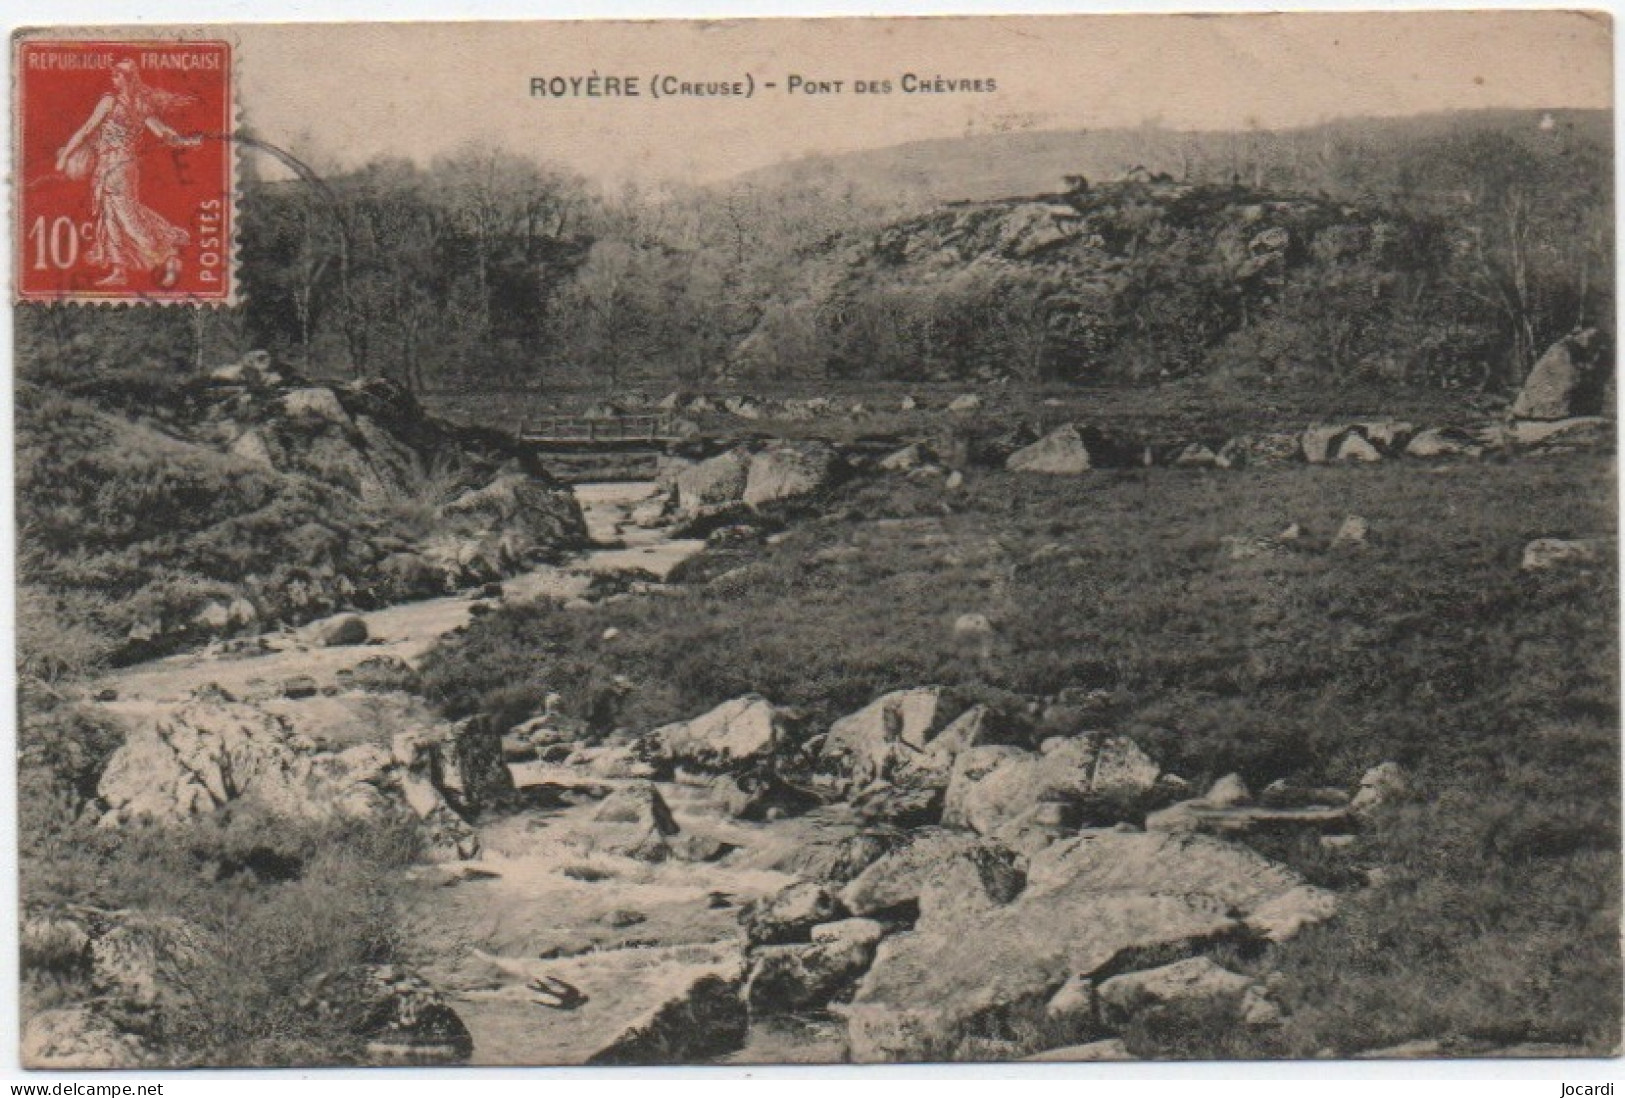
(886, 540)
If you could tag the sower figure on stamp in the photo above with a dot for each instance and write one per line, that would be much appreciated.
(106, 148)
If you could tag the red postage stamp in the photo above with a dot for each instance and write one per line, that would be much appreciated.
(124, 171)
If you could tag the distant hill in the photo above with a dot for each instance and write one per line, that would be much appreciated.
(987, 166)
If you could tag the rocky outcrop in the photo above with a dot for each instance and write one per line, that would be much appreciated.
(202, 754)
(199, 755)
(787, 470)
(537, 516)
(1062, 939)
(928, 988)
(1269, 898)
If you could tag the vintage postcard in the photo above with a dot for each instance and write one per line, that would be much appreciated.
(1075, 539)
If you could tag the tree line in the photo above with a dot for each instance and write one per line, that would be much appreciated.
(484, 267)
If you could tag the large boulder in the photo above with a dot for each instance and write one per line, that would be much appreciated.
(1565, 381)
(746, 733)
(1060, 452)
(787, 470)
(789, 914)
(700, 1019)
(1268, 897)
(838, 855)
(636, 823)
(715, 481)
(1194, 983)
(906, 876)
(888, 740)
(993, 789)
(786, 978)
(403, 1020)
(544, 514)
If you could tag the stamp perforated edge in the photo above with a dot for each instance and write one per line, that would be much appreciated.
(134, 34)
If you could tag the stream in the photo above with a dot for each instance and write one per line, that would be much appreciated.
(540, 901)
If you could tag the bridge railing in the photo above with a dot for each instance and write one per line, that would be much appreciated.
(584, 429)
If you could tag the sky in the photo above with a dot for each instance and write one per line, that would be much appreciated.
(340, 94)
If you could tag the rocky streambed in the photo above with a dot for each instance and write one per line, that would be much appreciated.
(922, 879)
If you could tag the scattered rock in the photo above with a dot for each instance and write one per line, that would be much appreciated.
(1380, 785)
(148, 960)
(906, 460)
(1199, 816)
(346, 630)
(882, 802)
(1355, 448)
(300, 686)
(975, 633)
(969, 402)
(1582, 433)
(1097, 1052)
(640, 804)
(403, 1020)
(1228, 792)
(1197, 455)
(1352, 532)
(838, 857)
(1545, 554)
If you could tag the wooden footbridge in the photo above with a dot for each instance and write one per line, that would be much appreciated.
(579, 433)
